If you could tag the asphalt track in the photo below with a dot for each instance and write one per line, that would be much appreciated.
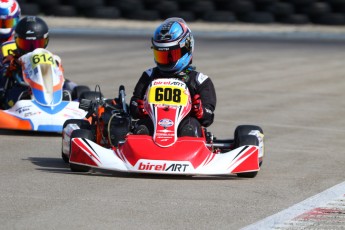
(293, 89)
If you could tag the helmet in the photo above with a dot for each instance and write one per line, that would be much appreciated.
(173, 46)
(31, 33)
(9, 17)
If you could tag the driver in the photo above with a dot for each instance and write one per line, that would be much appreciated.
(9, 17)
(173, 46)
(31, 33)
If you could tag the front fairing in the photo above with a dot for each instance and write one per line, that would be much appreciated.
(167, 102)
(44, 77)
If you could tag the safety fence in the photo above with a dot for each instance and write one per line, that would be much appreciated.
(326, 12)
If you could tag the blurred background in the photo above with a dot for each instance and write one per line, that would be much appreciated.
(297, 12)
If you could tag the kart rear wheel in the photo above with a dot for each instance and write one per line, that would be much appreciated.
(244, 130)
(247, 140)
(78, 91)
(118, 127)
(81, 133)
(90, 95)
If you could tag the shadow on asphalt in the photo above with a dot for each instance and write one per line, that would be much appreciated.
(28, 133)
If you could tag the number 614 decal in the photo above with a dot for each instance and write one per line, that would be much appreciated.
(42, 58)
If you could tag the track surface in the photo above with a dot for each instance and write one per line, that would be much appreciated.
(293, 89)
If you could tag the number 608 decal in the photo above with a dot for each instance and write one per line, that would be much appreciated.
(169, 95)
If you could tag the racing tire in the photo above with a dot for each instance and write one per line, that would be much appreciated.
(248, 140)
(81, 133)
(64, 157)
(118, 128)
(91, 95)
(243, 130)
(78, 91)
(83, 124)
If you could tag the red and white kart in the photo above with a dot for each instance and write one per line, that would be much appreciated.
(108, 143)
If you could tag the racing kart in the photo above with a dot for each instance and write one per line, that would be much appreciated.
(109, 143)
(43, 105)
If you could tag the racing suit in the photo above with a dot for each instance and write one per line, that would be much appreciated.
(197, 83)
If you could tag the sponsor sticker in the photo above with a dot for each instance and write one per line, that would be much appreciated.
(162, 166)
(166, 123)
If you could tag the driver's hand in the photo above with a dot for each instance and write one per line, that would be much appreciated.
(197, 109)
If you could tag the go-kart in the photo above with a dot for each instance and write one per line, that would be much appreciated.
(44, 105)
(108, 143)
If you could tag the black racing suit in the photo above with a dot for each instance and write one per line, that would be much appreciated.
(197, 83)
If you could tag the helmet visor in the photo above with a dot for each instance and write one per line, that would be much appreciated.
(30, 45)
(166, 57)
(9, 22)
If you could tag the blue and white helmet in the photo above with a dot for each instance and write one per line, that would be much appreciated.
(9, 17)
(173, 46)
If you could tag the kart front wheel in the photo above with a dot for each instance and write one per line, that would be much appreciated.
(83, 124)
(80, 133)
(247, 140)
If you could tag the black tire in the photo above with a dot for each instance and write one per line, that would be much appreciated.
(118, 127)
(81, 133)
(248, 140)
(147, 15)
(62, 10)
(186, 15)
(199, 7)
(165, 7)
(64, 158)
(258, 17)
(47, 2)
(243, 130)
(30, 9)
(106, 12)
(238, 6)
(317, 9)
(219, 16)
(302, 2)
(127, 5)
(83, 124)
(296, 19)
(90, 95)
(88, 3)
(331, 19)
(280, 9)
(78, 91)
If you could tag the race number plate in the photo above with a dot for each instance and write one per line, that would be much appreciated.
(42, 58)
(168, 95)
(8, 49)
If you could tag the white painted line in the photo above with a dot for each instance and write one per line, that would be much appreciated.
(318, 200)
